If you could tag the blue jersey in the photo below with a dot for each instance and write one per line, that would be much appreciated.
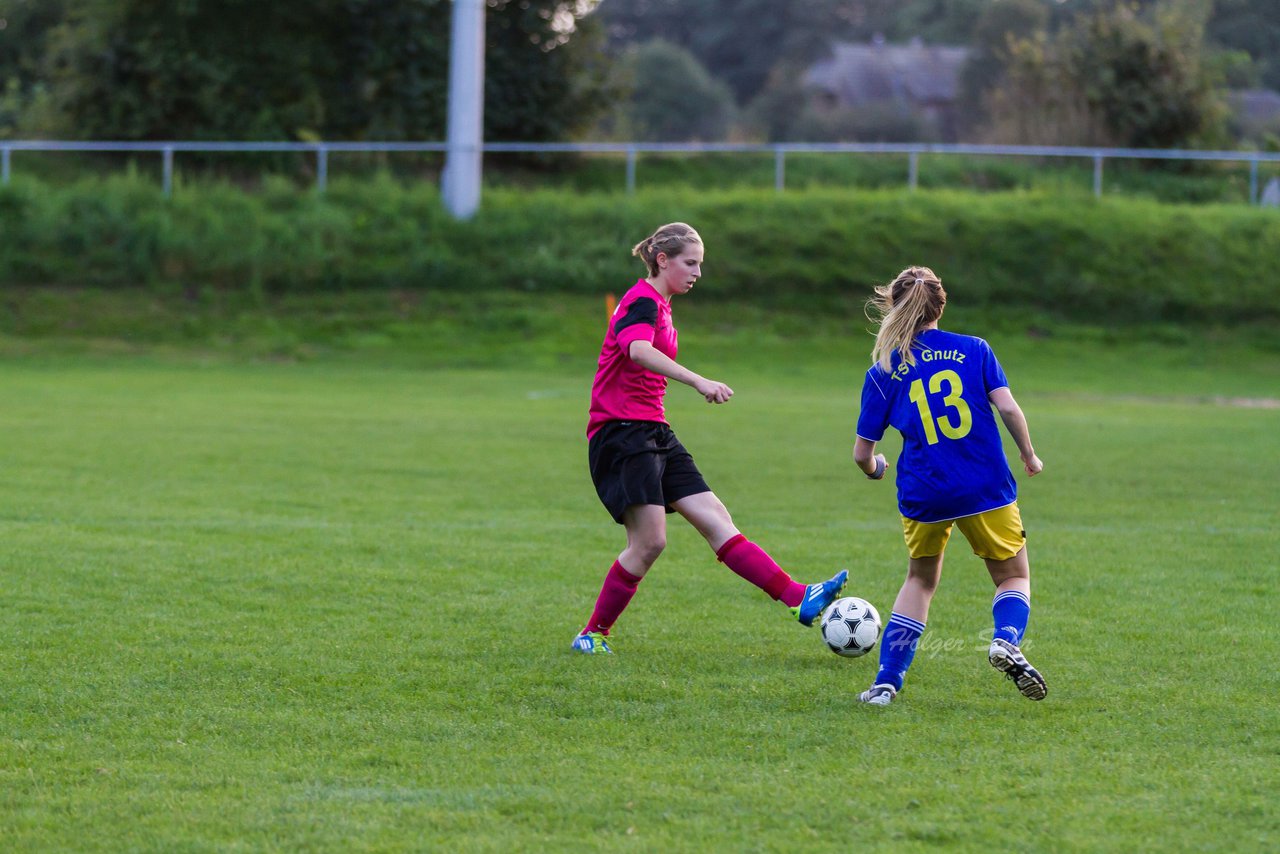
(952, 462)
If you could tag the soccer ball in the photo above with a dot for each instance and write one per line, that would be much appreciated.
(851, 627)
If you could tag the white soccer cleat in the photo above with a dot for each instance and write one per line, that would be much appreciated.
(1010, 661)
(878, 695)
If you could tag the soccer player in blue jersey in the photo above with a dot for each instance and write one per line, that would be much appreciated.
(938, 389)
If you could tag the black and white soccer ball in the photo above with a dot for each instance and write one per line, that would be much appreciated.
(851, 627)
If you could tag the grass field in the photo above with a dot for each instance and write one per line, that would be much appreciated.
(324, 603)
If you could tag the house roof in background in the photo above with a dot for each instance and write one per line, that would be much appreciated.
(863, 73)
(1257, 105)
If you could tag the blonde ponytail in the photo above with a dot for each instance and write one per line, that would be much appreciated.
(902, 308)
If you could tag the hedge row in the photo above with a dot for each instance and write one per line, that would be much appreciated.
(1110, 260)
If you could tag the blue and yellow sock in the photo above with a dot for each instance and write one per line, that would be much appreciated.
(897, 649)
(1010, 611)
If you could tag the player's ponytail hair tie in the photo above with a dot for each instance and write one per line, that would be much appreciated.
(902, 308)
(671, 238)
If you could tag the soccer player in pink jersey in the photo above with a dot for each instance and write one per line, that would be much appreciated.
(640, 469)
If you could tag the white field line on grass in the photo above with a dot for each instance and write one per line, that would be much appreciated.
(1182, 400)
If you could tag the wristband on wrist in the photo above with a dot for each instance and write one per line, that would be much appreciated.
(879, 473)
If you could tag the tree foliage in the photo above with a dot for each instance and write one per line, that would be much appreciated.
(1124, 76)
(149, 69)
(25, 26)
(1252, 26)
(935, 21)
(738, 42)
(337, 69)
(1000, 23)
(671, 96)
(1122, 71)
(24, 29)
(541, 81)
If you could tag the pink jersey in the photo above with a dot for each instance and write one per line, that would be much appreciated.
(622, 390)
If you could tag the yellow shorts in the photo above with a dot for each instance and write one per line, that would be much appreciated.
(994, 535)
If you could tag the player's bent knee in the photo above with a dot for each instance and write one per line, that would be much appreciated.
(651, 550)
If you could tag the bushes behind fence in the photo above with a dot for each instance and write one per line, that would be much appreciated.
(1115, 259)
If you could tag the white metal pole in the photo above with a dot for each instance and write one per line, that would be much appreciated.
(322, 169)
(463, 158)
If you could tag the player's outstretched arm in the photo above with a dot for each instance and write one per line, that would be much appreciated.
(644, 354)
(1016, 423)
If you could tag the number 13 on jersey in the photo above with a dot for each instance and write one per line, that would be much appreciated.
(952, 429)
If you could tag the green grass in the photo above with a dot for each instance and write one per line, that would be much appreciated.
(321, 599)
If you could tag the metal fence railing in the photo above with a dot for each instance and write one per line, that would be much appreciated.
(632, 150)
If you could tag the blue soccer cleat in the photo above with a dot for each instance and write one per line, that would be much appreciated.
(591, 643)
(1008, 659)
(818, 596)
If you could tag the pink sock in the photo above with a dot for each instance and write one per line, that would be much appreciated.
(615, 594)
(754, 564)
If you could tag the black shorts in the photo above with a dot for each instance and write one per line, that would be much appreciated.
(641, 462)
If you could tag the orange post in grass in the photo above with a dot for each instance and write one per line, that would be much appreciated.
(610, 304)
